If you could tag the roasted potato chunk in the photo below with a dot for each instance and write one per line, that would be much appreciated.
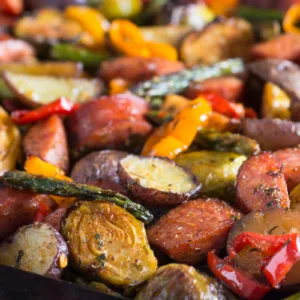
(108, 243)
(157, 181)
(181, 282)
(218, 41)
(36, 248)
(216, 171)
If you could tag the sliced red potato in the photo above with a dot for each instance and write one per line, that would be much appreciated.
(17, 208)
(274, 221)
(261, 184)
(157, 181)
(228, 87)
(39, 90)
(289, 159)
(192, 229)
(36, 248)
(108, 122)
(136, 69)
(55, 218)
(285, 46)
(12, 50)
(100, 169)
(272, 134)
(48, 140)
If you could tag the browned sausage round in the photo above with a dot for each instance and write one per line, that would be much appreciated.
(290, 160)
(192, 229)
(136, 69)
(17, 208)
(100, 169)
(261, 184)
(47, 140)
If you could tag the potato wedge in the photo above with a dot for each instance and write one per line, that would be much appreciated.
(35, 90)
(37, 248)
(182, 282)
(157, 181)
(63, 69)
(100, 169)
(108, 243)
(216, 171)
(274, 221)
(218, 41)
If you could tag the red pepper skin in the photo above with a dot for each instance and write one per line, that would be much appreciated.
(250, 113)
(235, 279)
(62, 106)
(42, 212)
(282, 262)
(267, 244)
(221, 105)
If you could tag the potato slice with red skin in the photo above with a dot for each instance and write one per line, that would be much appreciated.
(273, 221)
(261, 184)
(290, 161)
(136, 69)
(156, 181)
(108, 122)
(192, 229)
(228, 87)
(12, 50)
(48, 140)
(54, 219)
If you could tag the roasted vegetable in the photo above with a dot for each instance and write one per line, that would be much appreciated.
(285, 75)
(257, 13)
(100, 169)
(216, 171)
(177, 82)
(4, 90)
(157, 181)
(46, 185)
(10, 146)
(63, 69)
(225, 142)
(261, 184)
(37, 90)
(36, 248)
(275, 221)
(293, 297)
(272, 134)
(189, 231)
(218, 41)
(275, 103)
(178, 281)
(111, 244)
(71, 52)
(295, 198)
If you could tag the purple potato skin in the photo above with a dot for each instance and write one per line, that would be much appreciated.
(152, 197)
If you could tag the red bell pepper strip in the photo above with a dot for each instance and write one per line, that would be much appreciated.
(236, 279)
(62, 106)
(14, 7)
(221, 105)
(282, 262)
(42, 212)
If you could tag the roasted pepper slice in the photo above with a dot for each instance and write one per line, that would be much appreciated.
(222, 7)
(291, 19)
(91, 20)
(162, 50)
(118, 86)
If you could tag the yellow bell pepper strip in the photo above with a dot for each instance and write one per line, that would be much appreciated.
(222, 7)
(291, 19)
(118, 86)
(177, 135)
(34, 165)
(276, 103)
(127, 38)
(162, 50)
(91, 21)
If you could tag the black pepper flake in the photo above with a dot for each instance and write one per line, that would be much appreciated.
(19, 258)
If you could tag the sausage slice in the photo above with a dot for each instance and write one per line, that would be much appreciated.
(261, 184)
(47, 140)
(192, 229)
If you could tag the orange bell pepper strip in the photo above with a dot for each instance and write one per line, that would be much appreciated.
(177, 135)
(118, 86)
(162, 50)
(127, 38)
(34, 165)
(91, 21)
(222, 7)
(291, 19)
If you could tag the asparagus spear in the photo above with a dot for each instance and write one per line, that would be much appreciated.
(225, 142)
(177, 82)
(47, 185)
(293, 297)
